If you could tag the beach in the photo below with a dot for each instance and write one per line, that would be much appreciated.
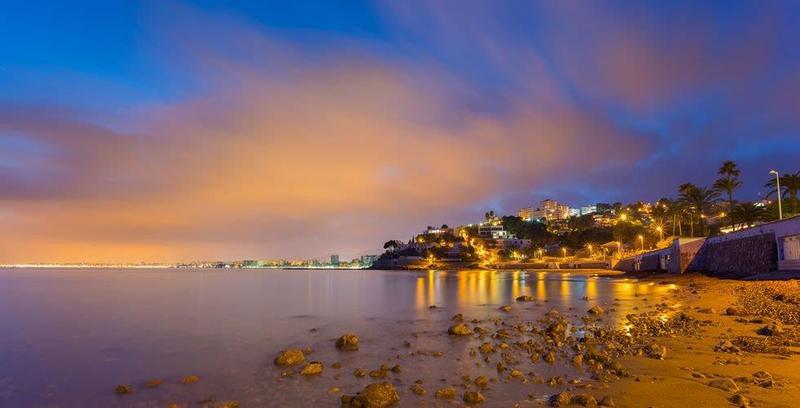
(186, 338)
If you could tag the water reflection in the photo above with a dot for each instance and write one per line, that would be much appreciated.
(127, 326)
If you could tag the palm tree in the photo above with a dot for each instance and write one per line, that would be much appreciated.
(749, 213)
(728, 183)
(790, 186)
(700, 200)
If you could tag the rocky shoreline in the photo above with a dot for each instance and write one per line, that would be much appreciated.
(725, 343)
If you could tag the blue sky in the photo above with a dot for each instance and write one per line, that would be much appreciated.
(448, 108)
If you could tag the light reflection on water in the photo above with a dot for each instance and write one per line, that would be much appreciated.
(69, 336)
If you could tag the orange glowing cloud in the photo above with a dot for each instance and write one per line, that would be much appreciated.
(333, 155)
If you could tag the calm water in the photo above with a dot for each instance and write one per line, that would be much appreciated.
(68, 337)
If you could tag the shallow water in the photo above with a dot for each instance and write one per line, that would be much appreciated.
(70, 336)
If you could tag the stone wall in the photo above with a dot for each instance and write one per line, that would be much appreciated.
(740, 257)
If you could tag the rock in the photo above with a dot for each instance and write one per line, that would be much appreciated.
(725, 384)
(561, 399)
(458, 318)
(334, 390)
(290, 357)
(707, 310)
(418, 389)
(336, 365)
(607, 402)
(397, 369)
(596, 310)
(360, 372)
(123, 389)
(549, 357)
(227, 404)
(735, 311)
(378, 373)
(473, 397)
(376, 395)
(312, 368)
(656, 351)
(726, 347)
(517, 374)
(740, 400)
(446, 393)
(190, 379)
(505, 308)
(459, 329)
(486, 348)
(154, 383)
(577, 360)
(771, 329)
(763, 379)
(347, 342)
(482, 382)
(584, 400)
(525, 298)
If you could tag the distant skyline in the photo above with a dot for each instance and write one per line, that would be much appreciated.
(168, 131)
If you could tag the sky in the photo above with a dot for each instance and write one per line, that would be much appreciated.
(166, 131)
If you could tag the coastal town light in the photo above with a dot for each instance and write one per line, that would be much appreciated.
(564, 250)
(660, 233)
(778, 189)
(641, 239)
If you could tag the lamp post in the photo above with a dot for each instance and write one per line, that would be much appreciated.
(564, 251)
(641, 239)
(778, 188)
(660, 233)
(590, 250)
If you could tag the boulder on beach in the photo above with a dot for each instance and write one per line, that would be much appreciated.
(656, 351)
(607, 402)
(524, 298)
(312, 368)
(347, 342)
(123, 389)
(190, 379)
(418, 389)
(763, 379)
(504, 308)
(584, 400)
(561, 399)
(772, 329)
(459, 329)
(473, 397)
(725, 384)
(290, 357)
(375, 395)
(735, 311)
(446, 393)
(596, 310)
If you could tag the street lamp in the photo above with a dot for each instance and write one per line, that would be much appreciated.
(564, 250)
(589, 246)
(778, 187)
(660, 233)
(641, 239)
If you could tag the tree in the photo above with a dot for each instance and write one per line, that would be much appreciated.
(699, 200)
(749, 213)
(790, 186)
(445, 226)
(728, 183)
(489, 215)
(392, 245)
